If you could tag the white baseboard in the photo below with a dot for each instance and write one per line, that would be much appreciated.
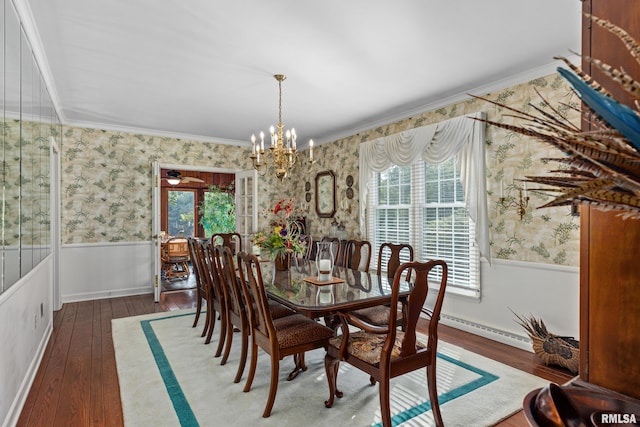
(86, 296)
(18, 403)
(518, 341)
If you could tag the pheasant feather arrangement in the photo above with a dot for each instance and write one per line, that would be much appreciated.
(599, 167)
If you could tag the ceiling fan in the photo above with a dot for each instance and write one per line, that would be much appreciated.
(174, 178)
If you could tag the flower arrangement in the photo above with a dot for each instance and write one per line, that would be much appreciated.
(283, 237)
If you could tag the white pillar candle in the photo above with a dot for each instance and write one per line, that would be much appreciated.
(324, 265)
(325, 297)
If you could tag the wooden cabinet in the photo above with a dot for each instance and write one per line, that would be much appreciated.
(610, 245)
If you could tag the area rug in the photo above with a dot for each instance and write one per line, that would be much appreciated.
(168, 377)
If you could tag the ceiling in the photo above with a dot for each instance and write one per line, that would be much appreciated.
(204, 68)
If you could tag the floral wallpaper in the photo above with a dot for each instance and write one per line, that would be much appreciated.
(26, 185)
(106, 178)
(544, 235)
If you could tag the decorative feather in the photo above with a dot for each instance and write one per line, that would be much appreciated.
(629, 42)
(617, 115)
(599, 167)
(627, 82)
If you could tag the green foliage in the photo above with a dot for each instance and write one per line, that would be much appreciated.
(218, 211)
(180, 213)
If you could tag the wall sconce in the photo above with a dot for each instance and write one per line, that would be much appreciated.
(521, 203)
(345, 205)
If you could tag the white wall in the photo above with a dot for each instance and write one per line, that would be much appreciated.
(546, 291)
(105, 270)
(24, 333)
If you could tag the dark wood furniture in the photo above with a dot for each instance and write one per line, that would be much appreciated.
(609, 245)
(609, 273)
(287, 336)
(230, 240)
(386, 352)
(217, 301)
(357, 255)
(237, 311)
(392, 253)
(336, 247)
(202, 290)
(319, 301)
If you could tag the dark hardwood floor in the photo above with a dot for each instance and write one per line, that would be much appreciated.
(77, 382)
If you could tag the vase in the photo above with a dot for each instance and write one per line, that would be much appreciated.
(282, 262)
(324, 261)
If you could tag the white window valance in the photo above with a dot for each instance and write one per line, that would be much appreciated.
(462, 137)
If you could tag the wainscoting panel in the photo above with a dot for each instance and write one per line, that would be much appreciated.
(105, 270)
(26, 322)
(546, 291)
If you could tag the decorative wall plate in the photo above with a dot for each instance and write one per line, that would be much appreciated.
(307, 186)
(349, 193)
(307, 197)
(349, 180)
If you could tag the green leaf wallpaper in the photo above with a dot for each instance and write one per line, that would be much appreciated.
(548, 236)
(106, 178)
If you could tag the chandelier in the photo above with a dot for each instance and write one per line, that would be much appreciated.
(282, 153)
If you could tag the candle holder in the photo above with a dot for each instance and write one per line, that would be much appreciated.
(324, 261)
(521, 203)
(325, 295)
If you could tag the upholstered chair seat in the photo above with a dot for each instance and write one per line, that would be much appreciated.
(297, 329)
(368, 347)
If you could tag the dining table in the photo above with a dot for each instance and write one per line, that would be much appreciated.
(299, 289)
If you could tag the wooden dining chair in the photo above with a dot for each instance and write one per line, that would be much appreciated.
(335, 247)
(308, 242)
(231, 240)
(237, 315)
(217, 302)
(287, 336)
(202, 290)
(357, 255)
(392, 253)
(387, 352)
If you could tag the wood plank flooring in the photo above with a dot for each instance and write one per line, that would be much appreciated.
(77, 382)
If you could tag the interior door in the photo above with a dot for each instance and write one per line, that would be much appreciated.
(246, 213)
(155, 229)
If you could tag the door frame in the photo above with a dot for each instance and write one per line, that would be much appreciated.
(156, 167)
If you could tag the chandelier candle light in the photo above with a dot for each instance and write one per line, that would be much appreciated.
(282, 154)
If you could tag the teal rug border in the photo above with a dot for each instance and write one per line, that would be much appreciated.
(188, 419)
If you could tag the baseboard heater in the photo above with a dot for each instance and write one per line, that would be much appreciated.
(499, 335)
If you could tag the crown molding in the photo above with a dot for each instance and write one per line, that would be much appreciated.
(497, 85)
(158, 133)
(28, 23)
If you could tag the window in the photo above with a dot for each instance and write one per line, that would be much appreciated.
(181, 212)
(423, 204)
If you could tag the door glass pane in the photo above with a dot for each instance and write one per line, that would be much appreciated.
(181, 212)
(218, 212)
